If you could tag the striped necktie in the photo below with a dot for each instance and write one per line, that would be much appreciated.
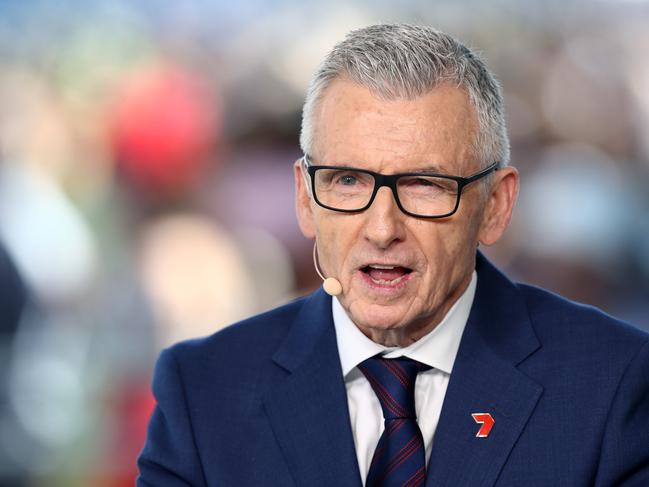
(399, 458)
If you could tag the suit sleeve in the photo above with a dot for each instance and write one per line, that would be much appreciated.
(624, 459)
(170, 457)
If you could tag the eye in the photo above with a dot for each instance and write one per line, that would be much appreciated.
(422, 182)
(347, 180)
(428, 184)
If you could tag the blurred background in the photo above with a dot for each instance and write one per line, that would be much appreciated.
(146, 187)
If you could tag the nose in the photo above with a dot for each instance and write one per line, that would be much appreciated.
(384, 223)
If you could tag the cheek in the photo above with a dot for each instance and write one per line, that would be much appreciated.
(435, 239)
(335, 237)
(447, 247)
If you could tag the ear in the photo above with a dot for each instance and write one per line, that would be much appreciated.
(303, 208)
(500, 205)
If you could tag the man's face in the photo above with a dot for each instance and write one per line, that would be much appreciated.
(400, 274)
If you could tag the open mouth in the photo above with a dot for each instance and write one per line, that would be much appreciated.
(385, 275)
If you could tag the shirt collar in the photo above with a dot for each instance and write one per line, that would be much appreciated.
(437, 349)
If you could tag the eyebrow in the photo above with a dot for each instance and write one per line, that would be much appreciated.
(431, 168)
(428, 168)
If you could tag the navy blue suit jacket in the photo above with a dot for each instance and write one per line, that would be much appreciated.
(263, 402)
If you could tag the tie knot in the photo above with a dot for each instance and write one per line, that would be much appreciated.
(393, 382)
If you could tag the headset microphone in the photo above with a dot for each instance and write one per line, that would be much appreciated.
(331, 285)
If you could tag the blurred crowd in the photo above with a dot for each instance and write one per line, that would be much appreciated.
(146, 154)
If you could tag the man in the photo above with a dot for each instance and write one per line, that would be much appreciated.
(428, 366)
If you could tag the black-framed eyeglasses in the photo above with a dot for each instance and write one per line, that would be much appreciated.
(418, 194)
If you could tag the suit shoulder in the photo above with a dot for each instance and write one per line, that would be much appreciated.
(257, 335)
(552, 314)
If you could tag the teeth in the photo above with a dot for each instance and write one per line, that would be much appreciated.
(385, 282)
(379, 266)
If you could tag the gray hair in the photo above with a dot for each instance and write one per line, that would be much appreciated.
(408, 61)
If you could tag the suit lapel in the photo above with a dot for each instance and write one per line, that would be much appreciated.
(308, 408)
(484, 379)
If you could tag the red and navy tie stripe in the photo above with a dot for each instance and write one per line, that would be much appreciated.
(399, 458)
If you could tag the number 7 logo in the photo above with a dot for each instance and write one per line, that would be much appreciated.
(486, 421)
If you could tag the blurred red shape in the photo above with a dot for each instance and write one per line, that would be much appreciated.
(164, 125)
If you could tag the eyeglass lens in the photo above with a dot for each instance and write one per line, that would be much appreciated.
(352, 190)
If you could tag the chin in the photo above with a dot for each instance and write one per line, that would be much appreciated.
(379, 316)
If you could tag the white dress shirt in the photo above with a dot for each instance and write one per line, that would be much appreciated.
(436, 349)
